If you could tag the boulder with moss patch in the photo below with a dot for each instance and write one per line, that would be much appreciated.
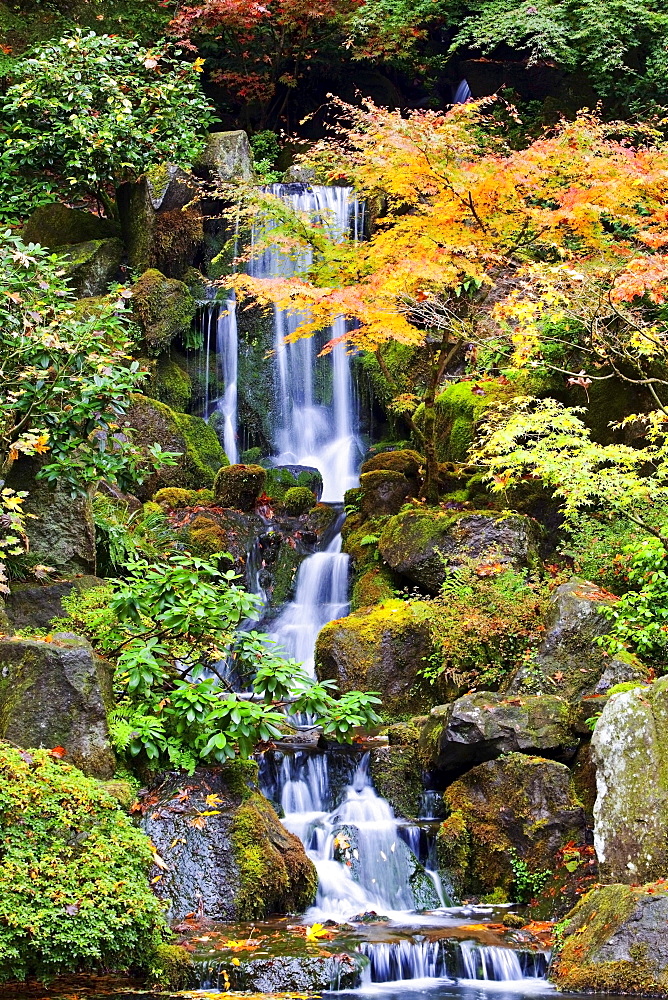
(34, 605)
(163, 307)
(383, 492)
(228, 157)
(396, 772)
(58, 693)
(404, 460)
(569, 660)
(516, 803)
(425, 545)
(380, 649)
(169, 383)
(239, 486)
(282, 478)
(630, 751)
(89, 267)
(54, 226)
(201, 454)
(484, 725)
(240, 863)
(232, 531)
(298, 500)
(614, 941)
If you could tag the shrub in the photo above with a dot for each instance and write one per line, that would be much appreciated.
(298, 500)
(74, 892)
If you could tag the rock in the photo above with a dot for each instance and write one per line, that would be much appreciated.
(62, 532)
(484, 725)
(298, 174)
(406, 461)
(282, 478)
(31, 606)
(161, 227)
(58, 693)
(90, 266)
(516, 803)
(383, 492)
(232, 531)
(239, 863)
(163, 307)
(54, 226)
(239, 486)
(228, 157)
(422, 545)
(568, 661)
(396, 772)
(630, 751)
(169, 383)
(615, 942)
(151, 422)
(303, 974)
(379, 649)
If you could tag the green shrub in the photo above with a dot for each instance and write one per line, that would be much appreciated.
(74, 892)
(298, 500)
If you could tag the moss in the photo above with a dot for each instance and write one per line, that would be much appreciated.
(176, 233)
(284, 574)
(280, 480)
(405, 461)
(453, 850)
(206, 541)
(276, 875)
(578, 966)
(239, 486)
(170, 383)
(123, 791)
(298, 500)
(373, 586)
(384, 492)
(163, 308)
(172, 968)
(54, 226)
(397, 776)
(173, 498)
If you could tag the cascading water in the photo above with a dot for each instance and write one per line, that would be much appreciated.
(227, 346)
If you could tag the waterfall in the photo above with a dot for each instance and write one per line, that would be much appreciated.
(448, 960)
(227, 346)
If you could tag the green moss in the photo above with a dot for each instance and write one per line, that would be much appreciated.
(453, 850)
(397, 776)
(55, 226)
(176, 234)
(163, 307)
(172, 968)
(204, 450)
(405, 461)
(173, 498)
(284, 574)
(373, 586)
(280, 480)
(74, 892)
(276, 875)
(171, 384)
(298, 500)
(239, 486)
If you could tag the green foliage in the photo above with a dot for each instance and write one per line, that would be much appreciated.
(482, 627)
(266, 147)
(166, 625)
(640, 617)
(526, 884)
(95, 110)
(74, 893)
(121, 536)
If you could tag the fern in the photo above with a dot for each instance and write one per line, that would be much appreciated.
(457, 584)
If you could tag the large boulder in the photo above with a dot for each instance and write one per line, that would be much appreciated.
(89, 267)
(383, 492)
(295, 973)
(484, 725)
(569, 661)
(33, 605)
(515, 804)
(150, 422)
(61, 531)
(615, 941)
(380, 649)
(57, 694)
(228, 856)
(54, 226)
(163, 307)
(630, 751)
(239, 486)
(228, 157)
(424, 545)
(161, 225)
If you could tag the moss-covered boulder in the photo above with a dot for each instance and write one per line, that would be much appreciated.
(238, 862)
(74, 891)
(373, 586)
(282, 478)
(516, 803)
(422, 545)
(569, 662)
(484, 725)
(228, 157)
(163, 307)
(61, 531)
(57, 694)
(380, 649)
(383, 492)
(239, 486)
(396, 772)
(56, 225)
(410, 463)
(150, 422)
(298, 500)
(614, 941)
(169, 383)
(89, 267)
(630, 751)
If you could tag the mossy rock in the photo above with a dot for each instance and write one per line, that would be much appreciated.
(54, 226)
(163, 307)
(422, 545)
(384, 491)
(373, 586)
(614, 941)
(516, 803)
(406, 461)
(380, 649)
(298, 500)
(172, 968)
(396, 772)
(90, 266)
(169, 383)
(282, 478)
(233, 530)
(173, 498)
(239, 486)
(242, 864)
(200, 450)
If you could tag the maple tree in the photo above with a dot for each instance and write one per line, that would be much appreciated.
(479, 242)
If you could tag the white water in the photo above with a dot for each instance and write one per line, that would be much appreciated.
(312, 429)
(227, 347)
